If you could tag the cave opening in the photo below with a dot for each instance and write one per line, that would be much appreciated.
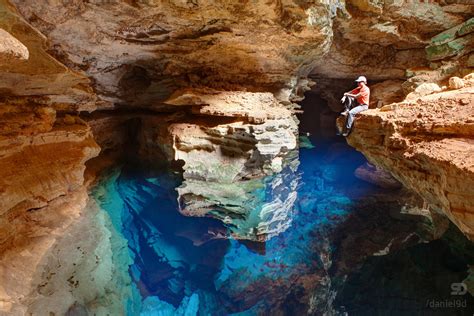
(317, 118)
(316, 208)
(153, 159)
(179, 261)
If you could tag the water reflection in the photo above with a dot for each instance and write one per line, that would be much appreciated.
(318, 221)
(255, 209)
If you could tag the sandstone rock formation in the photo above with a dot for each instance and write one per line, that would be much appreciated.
(11, 49)
(428, 145)
(393, 40)
(224, 162)
(139, 53)
(377, 176)
(133, 55)
(209, 86)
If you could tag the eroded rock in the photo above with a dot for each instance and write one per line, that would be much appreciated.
(229, 74)
(427, 144)
(11, 49)
(377, 176)
(456, 83)
(225, 165)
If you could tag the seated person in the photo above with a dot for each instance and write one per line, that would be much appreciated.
(355, 101)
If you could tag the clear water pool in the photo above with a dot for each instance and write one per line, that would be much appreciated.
(328, 260)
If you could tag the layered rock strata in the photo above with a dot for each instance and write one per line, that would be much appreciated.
(398, 46)
(132, 55)
(428, 145)
(225, 161)
(70, 260)
(138, 53)
(229, 73)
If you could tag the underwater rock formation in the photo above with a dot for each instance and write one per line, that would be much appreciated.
(210, 87)
(66, 257)
(185, 263)
(377, 176)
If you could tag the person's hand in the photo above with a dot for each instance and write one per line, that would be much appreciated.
(345, 93)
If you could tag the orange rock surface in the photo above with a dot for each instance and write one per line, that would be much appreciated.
(428, 145)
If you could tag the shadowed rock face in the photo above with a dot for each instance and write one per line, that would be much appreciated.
(209, 85)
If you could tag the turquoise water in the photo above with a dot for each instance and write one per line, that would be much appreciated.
(190, 266)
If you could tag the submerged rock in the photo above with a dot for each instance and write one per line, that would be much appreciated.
(377, 176)
(181, 265)
(209, 87)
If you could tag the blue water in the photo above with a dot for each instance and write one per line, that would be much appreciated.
(183, 266)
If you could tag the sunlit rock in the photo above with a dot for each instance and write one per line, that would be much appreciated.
(223, 169)
(11, 49)
(422, 90)
(253, 107)
(427, 145)
(456, 83)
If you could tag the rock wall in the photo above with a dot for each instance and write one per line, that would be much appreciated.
(59, 60)
(226, 161)
(428, 145)
(138, 53)
(394, 43)
(75, 57)
(212, 86)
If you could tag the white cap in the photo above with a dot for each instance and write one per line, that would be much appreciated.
(361, 78)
